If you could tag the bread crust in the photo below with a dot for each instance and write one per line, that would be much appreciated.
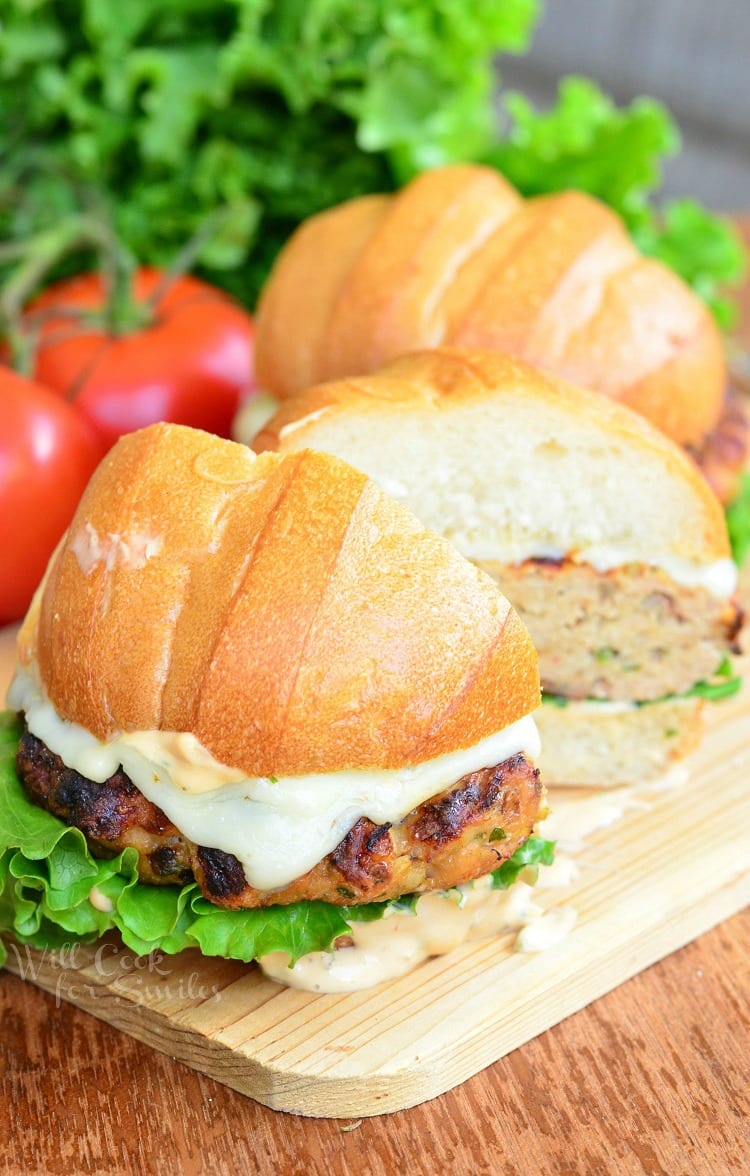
(280, 608)
(457, 258)
(432, 385)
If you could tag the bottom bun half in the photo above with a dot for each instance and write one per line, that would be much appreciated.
(601, 745)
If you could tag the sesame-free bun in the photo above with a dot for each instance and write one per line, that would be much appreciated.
(459, 258)
(584, 513)
(280, 608)
(508, 463)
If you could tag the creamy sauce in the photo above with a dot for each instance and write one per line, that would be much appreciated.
(575, 817)
(397, 943)
(547, 931)
(100, 901)
(277, 828)
(675, 777)
(563, 872)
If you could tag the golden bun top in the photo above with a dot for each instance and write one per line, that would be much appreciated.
(508, 462)
(281, 608)
(458, 258)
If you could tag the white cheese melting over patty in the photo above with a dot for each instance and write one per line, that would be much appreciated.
(277, 828)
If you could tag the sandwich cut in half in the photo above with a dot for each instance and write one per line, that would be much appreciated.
(458, 258)
(261, 705)
(602, 533)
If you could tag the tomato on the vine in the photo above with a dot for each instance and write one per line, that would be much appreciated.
(47, 454)
(183, 353)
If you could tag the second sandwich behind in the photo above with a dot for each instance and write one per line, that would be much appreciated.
(600, 530)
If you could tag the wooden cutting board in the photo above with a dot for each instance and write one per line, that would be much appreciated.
(676, 863)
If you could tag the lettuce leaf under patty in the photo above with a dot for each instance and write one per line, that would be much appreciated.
(47, 876)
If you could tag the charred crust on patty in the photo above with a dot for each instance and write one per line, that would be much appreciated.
(361, 856)
(735, 629)
(103, 811)
(167, 865)
(113, 815)
(444, 842)
(446, 819)
(549, 561)
(219, 874)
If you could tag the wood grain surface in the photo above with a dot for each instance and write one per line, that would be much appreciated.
(651, 1079)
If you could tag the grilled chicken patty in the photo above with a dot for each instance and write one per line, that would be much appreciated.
(631, 634)
(462, 833)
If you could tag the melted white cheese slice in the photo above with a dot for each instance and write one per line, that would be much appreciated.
(277, 828)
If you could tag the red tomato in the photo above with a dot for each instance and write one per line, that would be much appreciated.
(47, 454)
(191, 364)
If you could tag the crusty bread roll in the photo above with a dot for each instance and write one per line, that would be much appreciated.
(508, 463)
(282, 609)
(601, 532)
(458, 258)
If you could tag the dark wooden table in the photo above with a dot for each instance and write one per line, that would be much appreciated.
(653, 1078)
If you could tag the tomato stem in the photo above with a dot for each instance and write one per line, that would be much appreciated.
(120, 313)
(39, 255)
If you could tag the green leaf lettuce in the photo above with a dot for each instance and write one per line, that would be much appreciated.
(738, 522)
(163, 113)
(615, 153)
